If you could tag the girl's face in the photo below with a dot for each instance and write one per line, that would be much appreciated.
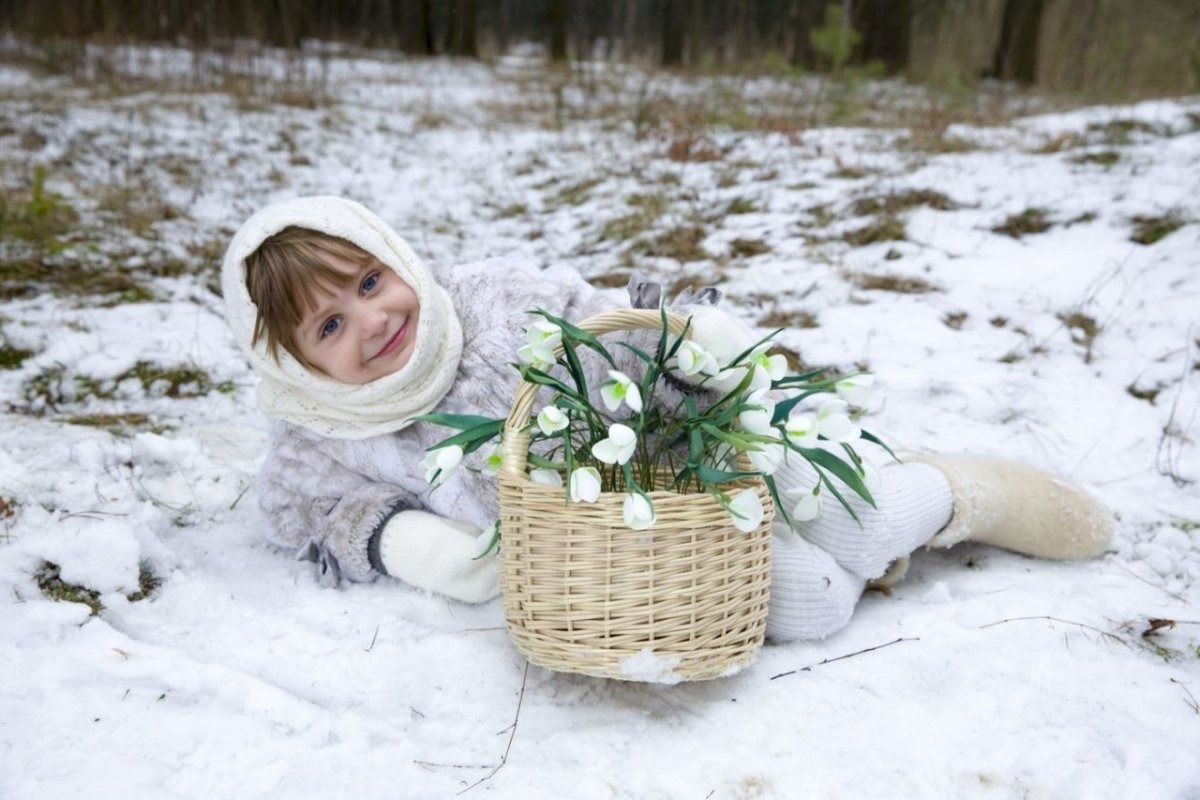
(363, 330)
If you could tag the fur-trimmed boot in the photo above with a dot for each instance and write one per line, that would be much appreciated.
(1017, 507)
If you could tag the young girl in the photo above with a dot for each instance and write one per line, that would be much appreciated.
(353, 337)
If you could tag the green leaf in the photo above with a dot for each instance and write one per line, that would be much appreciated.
(750, 349)
(844, 472)
(492, 543)
(828, 484)
(472, 439)
(773, 488)
(575, 367)
(796, 380)
(713, 475)
(576, 333)
(535, 375)
(460, 422)
(737, 441)
(872, 438)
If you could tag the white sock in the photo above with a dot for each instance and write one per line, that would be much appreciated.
(811, 596)
(818, 572)
(912, 504)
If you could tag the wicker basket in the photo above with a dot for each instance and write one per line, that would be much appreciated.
(685, 599)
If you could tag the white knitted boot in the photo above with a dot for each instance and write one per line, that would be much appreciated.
(1017, 507)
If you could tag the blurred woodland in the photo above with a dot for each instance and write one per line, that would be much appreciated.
(1118, 48)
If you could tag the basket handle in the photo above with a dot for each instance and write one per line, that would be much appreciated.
(515, 442)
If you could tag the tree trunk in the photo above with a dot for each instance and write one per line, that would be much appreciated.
(557, 13)
(1016, 55)
(672, 33)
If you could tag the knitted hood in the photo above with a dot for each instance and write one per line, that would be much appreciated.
(290, 391)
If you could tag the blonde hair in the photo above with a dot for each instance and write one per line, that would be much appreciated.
(284, 276)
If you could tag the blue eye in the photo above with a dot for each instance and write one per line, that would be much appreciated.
(370, 282)
(329, 328)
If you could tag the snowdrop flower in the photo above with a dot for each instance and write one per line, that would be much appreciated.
(639, 514)
(834, 423)
(551, 419)
(618, 447)
(767, 458)
(691, 359)
(801, 429)
(440, 463)
(757, 415)
(747, 510)
(766, 368)
(491, 460)
(542, 338)
(546, 477)
(808, 506)
(857, 389)
(620, 388)
(584, 485)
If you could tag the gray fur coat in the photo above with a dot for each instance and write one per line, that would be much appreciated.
(337, 492)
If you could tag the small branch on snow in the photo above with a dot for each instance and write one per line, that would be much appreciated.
(511, 735)
(840, 658)
(1103, 634)
(1191, 699)
(371, 646)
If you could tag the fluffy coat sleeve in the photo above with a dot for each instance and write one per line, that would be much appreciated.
(308, 496)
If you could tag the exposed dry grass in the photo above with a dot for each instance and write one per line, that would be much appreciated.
(1027, 222)
(1150, 229)
(894, 203)
(883, 229)
(900, 284)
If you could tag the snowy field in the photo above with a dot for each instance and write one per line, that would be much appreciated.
(1023, 284)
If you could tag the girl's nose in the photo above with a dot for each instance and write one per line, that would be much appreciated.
(374, 322)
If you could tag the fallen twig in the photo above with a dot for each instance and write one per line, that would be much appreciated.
(1103, 634)
(371, 646)
(512, 734)
(1191, 701)
(848, 655)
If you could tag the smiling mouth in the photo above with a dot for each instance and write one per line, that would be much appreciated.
(393, 344)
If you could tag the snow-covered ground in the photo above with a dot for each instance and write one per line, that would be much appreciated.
(130, 439)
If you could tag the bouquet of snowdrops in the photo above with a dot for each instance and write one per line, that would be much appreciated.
(628, 441)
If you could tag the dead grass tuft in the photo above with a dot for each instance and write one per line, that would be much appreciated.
(884, 229)
(1147, 230)
(789, 319)
(747, 248)
(900, 284)
(1029, 221)
(896, 202)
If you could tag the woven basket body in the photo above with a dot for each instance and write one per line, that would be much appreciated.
(685, 599)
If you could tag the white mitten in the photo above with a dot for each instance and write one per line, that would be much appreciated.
(441, 555)
(724, 337)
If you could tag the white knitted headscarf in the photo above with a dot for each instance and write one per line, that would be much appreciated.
(289, 390)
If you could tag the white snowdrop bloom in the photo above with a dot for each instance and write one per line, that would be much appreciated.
(618, 447)
(492, 459)
(801, 429)
(584, 485)
(440, 463)
(551, 419)
(766, 368)
(766, 459)
(639, 514)
(692, 359)
(834, 423)
(541, 337)
(757, 415)
(546, 477)
(856, 390)
(747, 510)
(808, 506)
(620, 388)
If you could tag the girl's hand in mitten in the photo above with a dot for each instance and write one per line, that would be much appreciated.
(715, 339)
(442, 555)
